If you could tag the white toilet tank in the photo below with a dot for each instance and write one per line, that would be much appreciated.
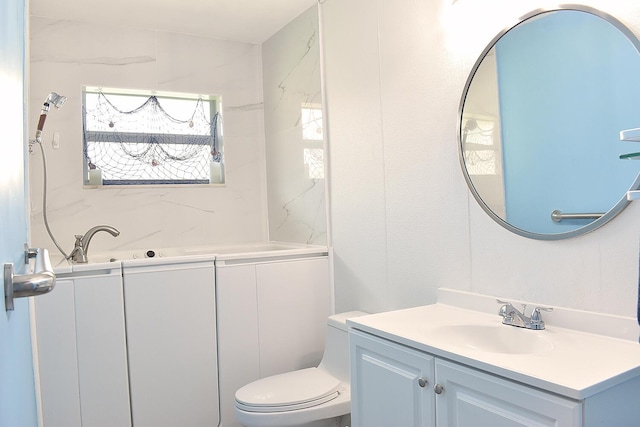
(335, 359)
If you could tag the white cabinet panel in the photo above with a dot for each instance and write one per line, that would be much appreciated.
(82, 359)
(238, 351)
(390, 385)
(57, 356)
(293, 307)
(272, 318)
(171, 334)
(102, 353)
(473, 398)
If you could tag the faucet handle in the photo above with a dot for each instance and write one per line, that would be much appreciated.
(504, 309)
(536, 316)
(509, 304)
(507, 310)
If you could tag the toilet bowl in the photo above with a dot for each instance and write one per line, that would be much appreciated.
(312, 397)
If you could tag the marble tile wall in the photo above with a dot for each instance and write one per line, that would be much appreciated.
(65, 55)
(293, 132)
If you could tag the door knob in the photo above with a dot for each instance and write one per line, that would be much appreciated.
(422, 382)
(438, 388)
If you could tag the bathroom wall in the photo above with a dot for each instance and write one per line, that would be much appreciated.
(403, 220)
(17, 387)
(293, 132)
(65, 55)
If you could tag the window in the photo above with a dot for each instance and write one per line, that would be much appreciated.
(312, 136)
(142, 137)
(481, 146)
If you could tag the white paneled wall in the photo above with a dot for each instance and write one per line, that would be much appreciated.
(357, 172)
(403, 221)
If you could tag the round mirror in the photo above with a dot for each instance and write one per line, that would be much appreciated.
(545, 123)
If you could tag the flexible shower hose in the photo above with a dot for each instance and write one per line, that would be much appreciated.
(44, 202)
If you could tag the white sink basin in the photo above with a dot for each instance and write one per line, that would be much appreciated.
(561, 359)
(494, 338)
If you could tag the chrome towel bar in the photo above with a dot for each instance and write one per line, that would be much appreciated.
(41, 281)
(558, 216)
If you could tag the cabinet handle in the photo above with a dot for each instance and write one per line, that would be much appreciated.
(422, 382)
(438, 388)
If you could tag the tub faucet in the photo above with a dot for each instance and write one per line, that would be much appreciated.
(81, 247)
(513, 317)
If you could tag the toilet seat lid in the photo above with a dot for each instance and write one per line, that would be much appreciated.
(292, 390)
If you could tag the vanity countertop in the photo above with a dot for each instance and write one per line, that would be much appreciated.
(576, 364)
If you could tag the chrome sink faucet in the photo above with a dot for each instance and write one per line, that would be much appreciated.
(513, 317)
(81, 247)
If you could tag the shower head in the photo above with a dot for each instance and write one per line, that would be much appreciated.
(53, 99)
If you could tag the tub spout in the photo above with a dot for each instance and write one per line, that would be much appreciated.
(81, 248)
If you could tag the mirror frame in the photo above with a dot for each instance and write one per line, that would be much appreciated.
(611, 213)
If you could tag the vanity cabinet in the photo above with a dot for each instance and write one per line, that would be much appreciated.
(81, 351)
(394, 385)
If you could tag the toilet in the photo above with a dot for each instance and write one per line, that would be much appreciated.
(312, 397)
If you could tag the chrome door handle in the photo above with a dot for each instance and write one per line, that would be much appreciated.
(41, 281)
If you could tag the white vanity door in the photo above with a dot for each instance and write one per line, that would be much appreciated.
(391, 385)
(472, 398)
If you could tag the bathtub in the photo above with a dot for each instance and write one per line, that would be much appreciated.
(221, 253)
(230, 306)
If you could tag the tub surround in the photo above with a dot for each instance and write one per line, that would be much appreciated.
(589, 352)
(67, 54)
(295, 183)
